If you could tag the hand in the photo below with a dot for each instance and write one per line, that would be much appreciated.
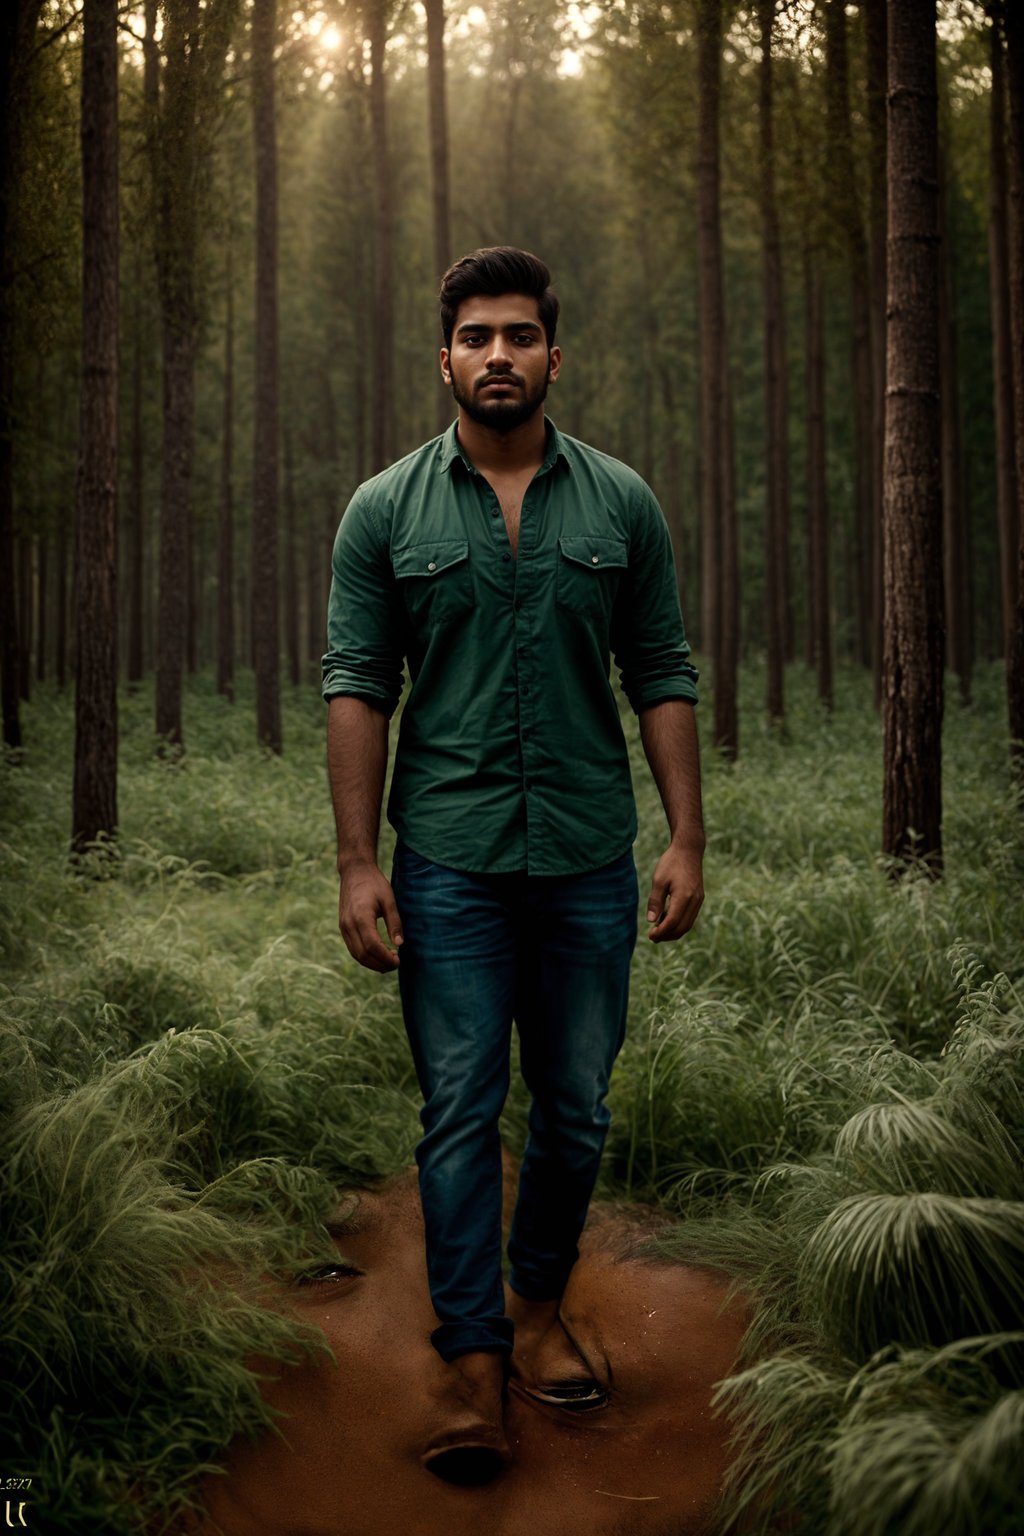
(365, 896)
(677, 891)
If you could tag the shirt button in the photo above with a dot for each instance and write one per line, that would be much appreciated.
(594, 559)
(431, 565)
(494, 511)
(506, 556)
(526, 691)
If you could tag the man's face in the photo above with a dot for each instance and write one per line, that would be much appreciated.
(499, 365)
(358, 1426)
(610, 1416)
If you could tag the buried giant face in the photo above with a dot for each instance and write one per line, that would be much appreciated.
(608, 1418)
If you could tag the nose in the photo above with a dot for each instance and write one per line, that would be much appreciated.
(499, 353)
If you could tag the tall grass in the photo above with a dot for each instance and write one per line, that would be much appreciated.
(822, 1081)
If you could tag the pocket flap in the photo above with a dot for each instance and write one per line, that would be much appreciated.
(429, 559)
(595, 551)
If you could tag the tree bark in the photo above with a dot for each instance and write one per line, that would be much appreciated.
(875, 18)
(719, 620)
(18, 20)
(913, 660)
(819, 556)
(439, 169)
(25, 617)
(955, 530)
(1014, 23)
(265, 621)
(1002, 360)
(777, 625)
(94, 800)
(291, 572)
(382, 354)
(175, 151)
(845, 204)
(226, 534)
(136, 503)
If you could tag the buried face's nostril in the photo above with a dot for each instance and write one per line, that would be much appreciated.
(467, 1466)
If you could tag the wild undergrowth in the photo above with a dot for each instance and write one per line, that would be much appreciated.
(823, 1081)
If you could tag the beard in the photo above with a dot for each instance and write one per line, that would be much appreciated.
(500, 415)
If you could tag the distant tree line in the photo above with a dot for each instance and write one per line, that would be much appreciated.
(736, 202)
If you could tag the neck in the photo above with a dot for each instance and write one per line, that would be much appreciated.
(503, 452)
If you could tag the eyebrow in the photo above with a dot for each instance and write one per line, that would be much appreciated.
(471, 327)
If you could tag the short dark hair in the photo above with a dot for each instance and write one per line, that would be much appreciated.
(494, 270)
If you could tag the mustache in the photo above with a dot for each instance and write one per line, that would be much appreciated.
(499, 378)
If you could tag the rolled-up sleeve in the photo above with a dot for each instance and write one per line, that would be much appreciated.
(365, 615)
(650, 647)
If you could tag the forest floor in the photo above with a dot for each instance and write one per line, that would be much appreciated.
(223, 905)
(825, 1079)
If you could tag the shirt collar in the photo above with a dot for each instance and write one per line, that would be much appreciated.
(558, 448)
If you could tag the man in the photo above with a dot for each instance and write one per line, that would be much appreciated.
(505, 561)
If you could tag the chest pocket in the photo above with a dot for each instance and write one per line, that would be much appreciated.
(435, 580)
(590, 569)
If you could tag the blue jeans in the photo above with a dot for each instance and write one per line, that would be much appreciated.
(551, 952)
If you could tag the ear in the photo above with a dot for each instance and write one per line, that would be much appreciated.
(554, 364)
(446, 372)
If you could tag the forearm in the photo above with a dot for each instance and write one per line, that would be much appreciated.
(357, 759)
(668, 732)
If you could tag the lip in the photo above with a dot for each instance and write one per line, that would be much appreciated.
(499, 384)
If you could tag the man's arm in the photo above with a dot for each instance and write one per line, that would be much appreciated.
(669, 734)
(357, 758)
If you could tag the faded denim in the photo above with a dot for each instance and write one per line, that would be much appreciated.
(551, 952)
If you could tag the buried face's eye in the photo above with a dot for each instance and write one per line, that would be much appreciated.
(327, 1274)
(581, 1395)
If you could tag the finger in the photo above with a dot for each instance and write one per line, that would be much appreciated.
(364, 943)
(657, 900)
(392, 918)
(372, 951)
(679, 918)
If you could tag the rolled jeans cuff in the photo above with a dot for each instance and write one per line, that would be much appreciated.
(454, 1339)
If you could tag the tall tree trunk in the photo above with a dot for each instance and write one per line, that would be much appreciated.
(912, 677)
(439, 169)
(842, 179)
(727, 667)
(382, 353)
(42, 591)
(1014, 23)
(955, 532)
(777, 626)
(94, 801)
(1002, 383)
(60, 660)
(25, 616)
(718, 623)
(819, 557)
(291, 572)
(875, 18)
(226, 539)
(176, 249)
(265, 623)
(18, 20)
(136, 501)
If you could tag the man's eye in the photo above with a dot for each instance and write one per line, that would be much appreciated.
(327, 1274)
(573, 1396)
(526, 340)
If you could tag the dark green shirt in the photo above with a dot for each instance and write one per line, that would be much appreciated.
(510, 753)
